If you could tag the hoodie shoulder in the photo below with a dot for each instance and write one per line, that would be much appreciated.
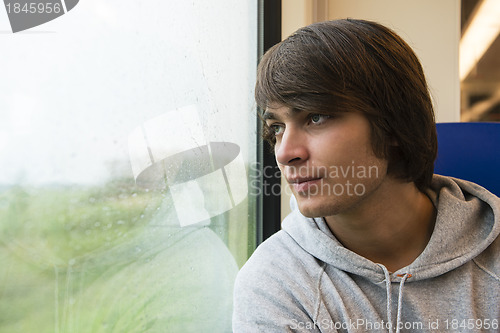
(276, 287)
(467, 228)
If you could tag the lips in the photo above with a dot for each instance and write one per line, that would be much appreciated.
(304, 184)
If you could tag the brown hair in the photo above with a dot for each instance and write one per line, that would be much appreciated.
(356, 65)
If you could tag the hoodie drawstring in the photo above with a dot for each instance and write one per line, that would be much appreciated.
(400, 299)
(388, 291)
(388, 288)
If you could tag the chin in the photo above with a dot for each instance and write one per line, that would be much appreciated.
(313, 209)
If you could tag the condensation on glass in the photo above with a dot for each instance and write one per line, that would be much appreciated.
(126, 140)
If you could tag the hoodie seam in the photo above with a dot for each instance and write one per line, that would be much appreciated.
(487, 271)
(318, 293)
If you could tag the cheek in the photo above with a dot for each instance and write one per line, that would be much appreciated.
(345, 148)
(361, 146)
(352, 155)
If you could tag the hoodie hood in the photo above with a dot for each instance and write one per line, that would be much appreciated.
(467, 222)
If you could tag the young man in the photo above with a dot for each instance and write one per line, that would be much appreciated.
(377, 243)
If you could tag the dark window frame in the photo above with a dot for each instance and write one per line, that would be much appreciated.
(269, 202)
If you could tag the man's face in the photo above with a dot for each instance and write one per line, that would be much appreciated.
(327, 160)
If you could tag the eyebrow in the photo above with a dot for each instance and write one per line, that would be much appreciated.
(271, 115)
(268, 115)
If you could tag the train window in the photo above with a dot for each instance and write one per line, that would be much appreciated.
(127, 140)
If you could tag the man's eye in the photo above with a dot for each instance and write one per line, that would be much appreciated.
(318, 118)
(277, 129)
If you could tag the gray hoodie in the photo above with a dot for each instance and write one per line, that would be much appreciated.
(303, 280)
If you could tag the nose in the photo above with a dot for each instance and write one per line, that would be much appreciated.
(292, 148)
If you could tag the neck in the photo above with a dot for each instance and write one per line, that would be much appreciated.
(392, 227)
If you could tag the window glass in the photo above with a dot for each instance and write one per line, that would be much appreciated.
(127, 133)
